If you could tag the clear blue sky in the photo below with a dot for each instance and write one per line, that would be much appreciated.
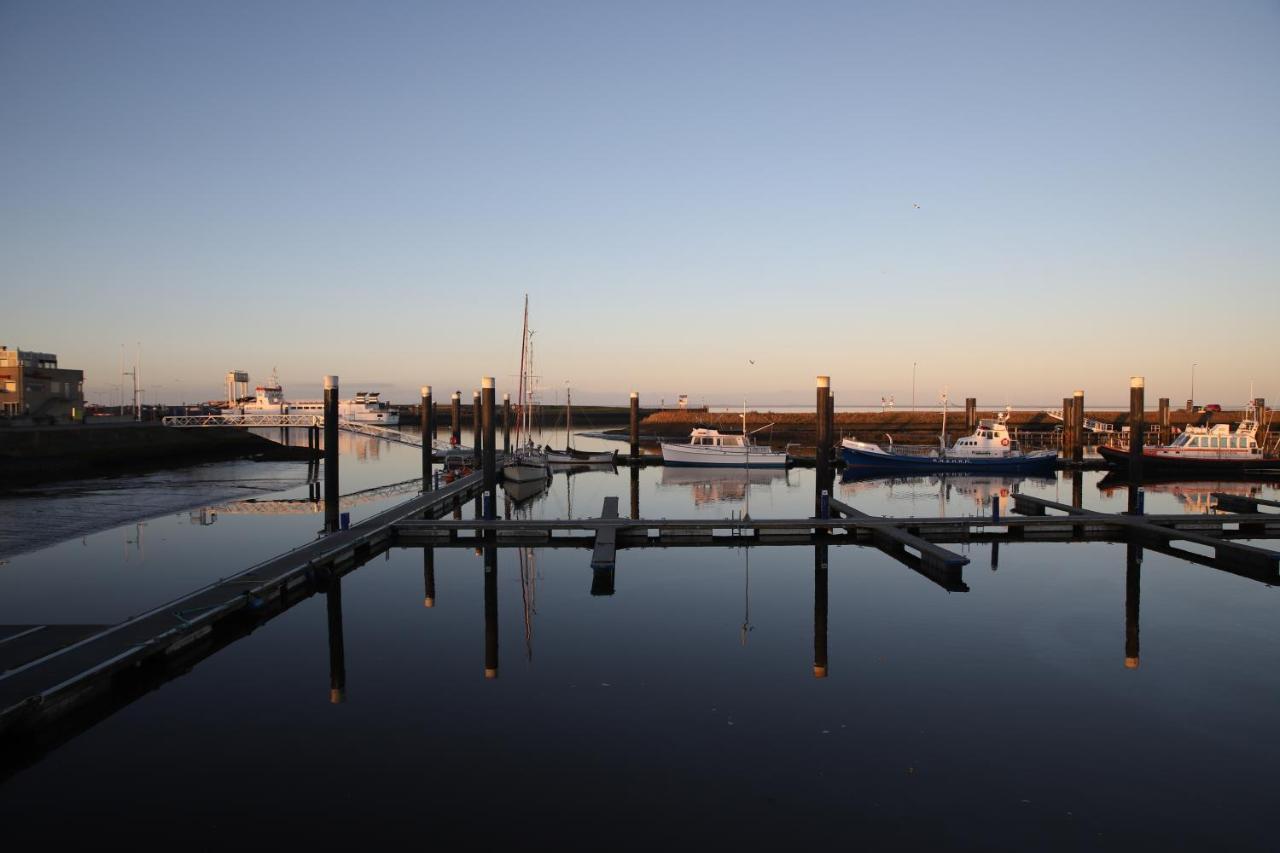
(681, 187)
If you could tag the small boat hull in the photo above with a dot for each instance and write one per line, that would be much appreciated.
(581, 457)
(524, 472)
(885, 461)
(1190, 466)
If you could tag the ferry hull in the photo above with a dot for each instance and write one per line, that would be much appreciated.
(1191, 467)
(866, 460)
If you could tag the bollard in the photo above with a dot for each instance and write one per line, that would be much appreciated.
(635, 425)
(822, 445)
(427, 432)
(330, 454)
(489, 462)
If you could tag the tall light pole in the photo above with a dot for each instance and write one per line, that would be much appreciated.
(913, 386)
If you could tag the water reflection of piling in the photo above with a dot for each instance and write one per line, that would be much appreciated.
(490, 612)
(337, 656)
(635, 425)
(428, 577)
(1077, 489)
(820, 610)
(635, 492)
(995, 556)
(1132, 593)
(331, 454)
(428, 430)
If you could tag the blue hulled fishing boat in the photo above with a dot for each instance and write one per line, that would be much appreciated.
(989, 448)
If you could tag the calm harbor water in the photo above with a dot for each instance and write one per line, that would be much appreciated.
(1078, 696)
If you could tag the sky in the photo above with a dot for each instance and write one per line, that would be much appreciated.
(1006, 200)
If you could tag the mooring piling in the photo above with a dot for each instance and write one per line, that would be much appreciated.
(635, 425)
(489, 463)
(1077, 425)
(1166, 433)
(427, 432)
(477, 441)
(1137, 425)
(330, 454)
(506, 423)
(970, 413)
(456, 405)
(822, 445)
(1068, 427)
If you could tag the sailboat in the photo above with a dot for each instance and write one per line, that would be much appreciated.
(569, 456)
(527, 464)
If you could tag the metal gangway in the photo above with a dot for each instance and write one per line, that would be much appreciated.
(273, 421)
(1093, 425)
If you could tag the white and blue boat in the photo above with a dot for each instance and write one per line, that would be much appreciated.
(989, 449)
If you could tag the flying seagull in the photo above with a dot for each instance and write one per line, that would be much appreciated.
(916, 206)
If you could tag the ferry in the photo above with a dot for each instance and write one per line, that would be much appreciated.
(710, 447)
(269, 399)
(1204, 449)
(989, 449)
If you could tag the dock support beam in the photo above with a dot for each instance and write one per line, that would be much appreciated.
(1166, 433)
(822, 446)
(456, 405)
(635, 425)
(506, 424)
(489, 465)
(1077, 425)
(428, 430)
(330, 454)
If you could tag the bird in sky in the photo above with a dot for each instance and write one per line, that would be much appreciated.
(916, 206)
(752, 360)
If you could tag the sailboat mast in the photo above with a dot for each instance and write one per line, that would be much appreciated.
(524, 346)
(568, 417)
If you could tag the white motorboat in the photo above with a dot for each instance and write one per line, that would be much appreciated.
(710, 447)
